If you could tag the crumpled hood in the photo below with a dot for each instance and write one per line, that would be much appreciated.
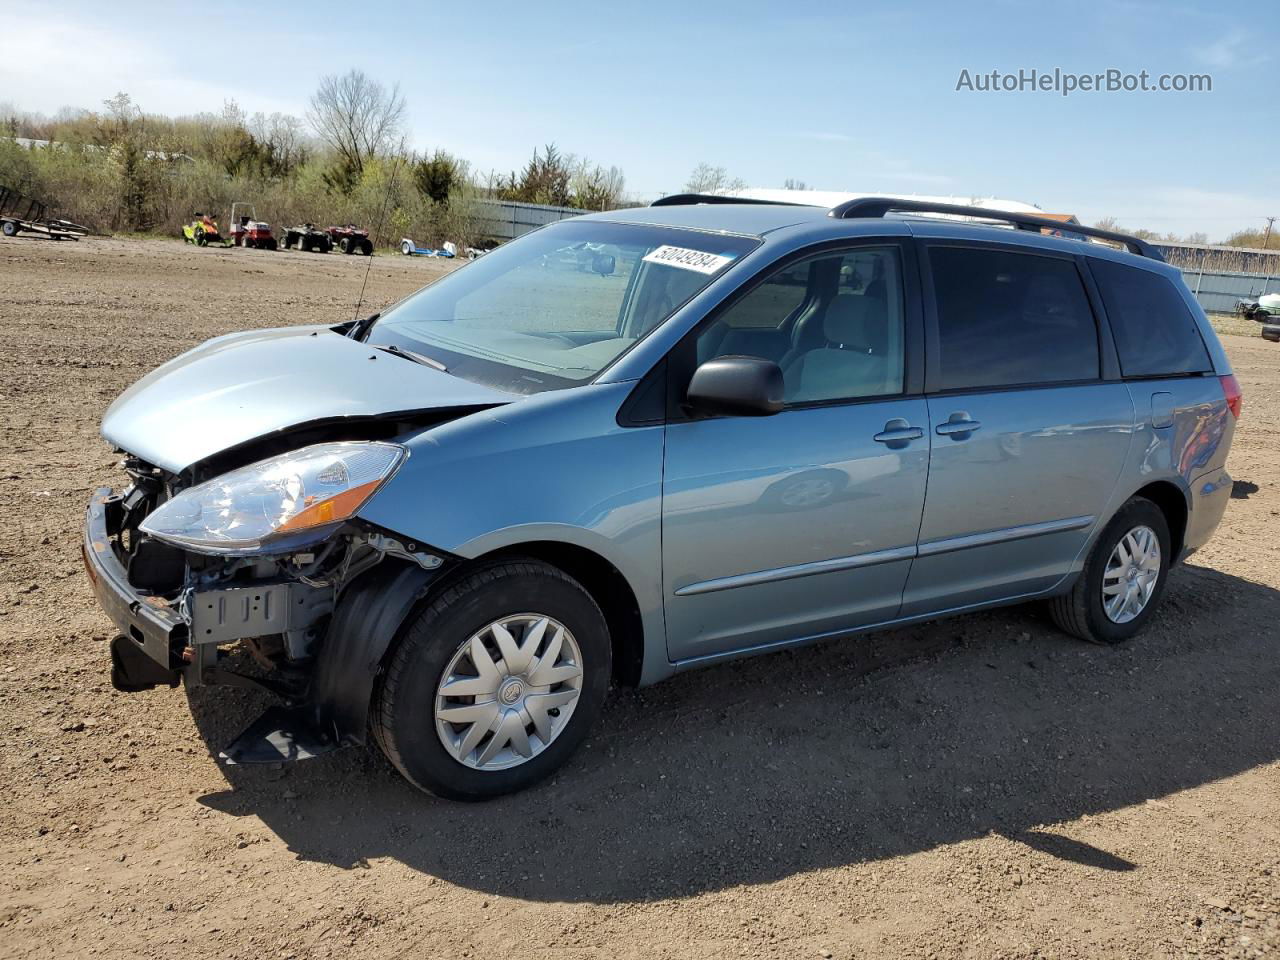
(246, 385)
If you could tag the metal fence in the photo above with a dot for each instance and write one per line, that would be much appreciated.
(1218, 291)
(506, 220)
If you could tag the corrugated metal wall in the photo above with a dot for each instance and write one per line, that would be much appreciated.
(506, 220)
(1218, 291)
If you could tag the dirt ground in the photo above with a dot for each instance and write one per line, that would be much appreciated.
(979, 787)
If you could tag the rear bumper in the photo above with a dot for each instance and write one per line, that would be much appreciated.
(1210, 493)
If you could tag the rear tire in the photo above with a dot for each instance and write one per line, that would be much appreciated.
(10, 229)
(366, 248)
(406, 713)
(1083, 611)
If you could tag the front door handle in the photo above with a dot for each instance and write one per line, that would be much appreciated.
(898, 432)
(959, 426)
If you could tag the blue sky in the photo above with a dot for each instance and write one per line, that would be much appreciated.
(842, 96)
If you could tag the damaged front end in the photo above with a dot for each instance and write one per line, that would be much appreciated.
(271, 562)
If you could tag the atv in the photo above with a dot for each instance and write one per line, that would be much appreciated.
(202, 231)
(351, 239)
(307, 237)
(247, 230)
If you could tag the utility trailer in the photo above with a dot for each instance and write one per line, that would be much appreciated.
(19, 213)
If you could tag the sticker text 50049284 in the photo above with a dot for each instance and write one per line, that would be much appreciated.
(687, 259)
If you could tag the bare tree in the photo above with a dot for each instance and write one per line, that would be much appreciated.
(357, 116)
(284, 135)
(791, 183)
(708, 179)
(594, 187)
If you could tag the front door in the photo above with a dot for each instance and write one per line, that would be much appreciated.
(1028, 439)
(780, 528)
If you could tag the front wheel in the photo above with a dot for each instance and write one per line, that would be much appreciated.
(1123, 577)
(495, 682)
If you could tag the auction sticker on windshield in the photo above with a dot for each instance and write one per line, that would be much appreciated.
(687, 259)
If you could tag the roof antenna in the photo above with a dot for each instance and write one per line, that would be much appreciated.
(381, 217)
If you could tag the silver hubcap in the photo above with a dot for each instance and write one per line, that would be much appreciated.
(1131, 574)
(509, 691)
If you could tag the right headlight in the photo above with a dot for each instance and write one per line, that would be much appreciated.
(245, 510)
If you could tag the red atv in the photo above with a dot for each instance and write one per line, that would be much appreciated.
(247, 230)
(351, 239)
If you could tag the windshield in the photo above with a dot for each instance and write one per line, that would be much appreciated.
(556, 306)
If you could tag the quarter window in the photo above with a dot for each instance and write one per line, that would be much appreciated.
(1008, 319)
(1155, 333)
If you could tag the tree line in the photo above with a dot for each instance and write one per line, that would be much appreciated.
(121, 169)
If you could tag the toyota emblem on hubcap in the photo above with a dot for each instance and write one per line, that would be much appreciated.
(511, 691)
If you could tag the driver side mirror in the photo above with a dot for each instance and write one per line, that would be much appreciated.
(736, 387)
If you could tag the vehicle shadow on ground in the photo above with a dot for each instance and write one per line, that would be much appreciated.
(829, 755)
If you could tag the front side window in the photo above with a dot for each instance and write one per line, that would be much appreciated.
(1156, 335)
(555, 307)
(833, 323)
(1009, 319)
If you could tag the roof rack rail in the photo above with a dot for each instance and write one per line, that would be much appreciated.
(879, 206)
(688, 199)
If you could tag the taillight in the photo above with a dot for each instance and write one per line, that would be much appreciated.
(1231, 389)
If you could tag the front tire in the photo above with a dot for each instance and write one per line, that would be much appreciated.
(495, 683)
(1123, 578)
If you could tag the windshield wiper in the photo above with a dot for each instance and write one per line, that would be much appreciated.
(411, 355)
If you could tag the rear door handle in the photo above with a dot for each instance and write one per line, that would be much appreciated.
(958, 426)
(898, 432)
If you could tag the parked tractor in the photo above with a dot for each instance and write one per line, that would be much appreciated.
(247, 230)
(307, 237)
(351, 239)
(202, 231)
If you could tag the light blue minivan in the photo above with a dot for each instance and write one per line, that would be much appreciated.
(636, 442)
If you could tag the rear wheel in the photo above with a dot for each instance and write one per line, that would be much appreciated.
(9, 228)
(495, 683)
(1123, 577)
(366, 248)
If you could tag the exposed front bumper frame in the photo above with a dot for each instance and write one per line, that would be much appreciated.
(149, 626)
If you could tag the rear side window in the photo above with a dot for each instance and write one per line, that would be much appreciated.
(1006, 319)
(1156, 335)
